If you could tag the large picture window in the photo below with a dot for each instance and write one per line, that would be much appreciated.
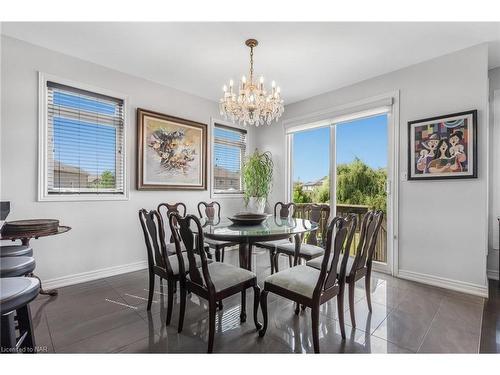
(228, 155)
(84, 144)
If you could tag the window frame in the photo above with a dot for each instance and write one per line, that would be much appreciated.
(213, 193)
(43, 193)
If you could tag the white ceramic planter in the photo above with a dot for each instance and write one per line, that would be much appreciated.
(256, 205)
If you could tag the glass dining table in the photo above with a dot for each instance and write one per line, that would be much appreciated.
(247, 235)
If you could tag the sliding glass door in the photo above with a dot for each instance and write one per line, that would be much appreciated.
(345, 165)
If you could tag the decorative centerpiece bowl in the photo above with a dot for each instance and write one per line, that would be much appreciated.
(248, 218)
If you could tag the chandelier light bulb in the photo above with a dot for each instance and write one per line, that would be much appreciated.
(252, 104)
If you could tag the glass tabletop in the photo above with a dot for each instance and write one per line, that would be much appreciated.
(271, 228)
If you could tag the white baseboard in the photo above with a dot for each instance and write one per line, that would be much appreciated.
(459, 286)
(493, 274)
(60, 282)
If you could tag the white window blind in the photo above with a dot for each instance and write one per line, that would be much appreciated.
(229, 153)
(85, 142)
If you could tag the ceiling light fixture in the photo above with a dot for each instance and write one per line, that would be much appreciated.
(252, 104)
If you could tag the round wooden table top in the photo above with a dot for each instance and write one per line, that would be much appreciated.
(26, 235)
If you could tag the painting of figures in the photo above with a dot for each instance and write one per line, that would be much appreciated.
(171, 152)
(443, 147)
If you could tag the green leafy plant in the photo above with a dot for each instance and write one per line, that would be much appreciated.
(258, 175)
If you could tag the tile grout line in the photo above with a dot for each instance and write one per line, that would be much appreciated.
(430, 325)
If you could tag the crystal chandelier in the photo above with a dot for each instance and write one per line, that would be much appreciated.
(252, 104)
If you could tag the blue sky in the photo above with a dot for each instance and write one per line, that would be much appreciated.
(365, 139)
(89, 145)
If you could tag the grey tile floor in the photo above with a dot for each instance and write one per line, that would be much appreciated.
(109, 315)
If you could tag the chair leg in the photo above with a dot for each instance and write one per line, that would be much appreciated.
(217, 254)
(8, 333)
(256, 297)
(340, 310)
(276, 261)
(297, 308)
(243, 314)
(223, 253)
(368, 291)
(352, 286)
(170, 299)
(290, 261)
(25, 325)
(271, 260)
(211, 324)
(315, 327)
(151, 290)
(263, 306)
(182, 309)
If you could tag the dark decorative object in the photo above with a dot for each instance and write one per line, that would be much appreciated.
(4, 210)
(310, 287)
(443, 147)
(36, 226)
(248, 219)
(172, 152)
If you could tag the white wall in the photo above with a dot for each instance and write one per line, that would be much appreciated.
(494, 75)
(442, 224)
(104, 234)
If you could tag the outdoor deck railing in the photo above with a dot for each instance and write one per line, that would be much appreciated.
(380, 253)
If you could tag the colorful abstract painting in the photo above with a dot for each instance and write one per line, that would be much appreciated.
(172, 152)
(443, 147)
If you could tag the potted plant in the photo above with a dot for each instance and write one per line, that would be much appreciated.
(257, 180)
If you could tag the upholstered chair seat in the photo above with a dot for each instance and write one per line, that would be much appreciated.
(171, 248)
(16, 266)
(316, 263)
(16, 251)
(300, 279)
(306, 251)
(226, 276)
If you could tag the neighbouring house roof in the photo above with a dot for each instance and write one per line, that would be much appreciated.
(316, 183)
(61, 167)
(225, 173)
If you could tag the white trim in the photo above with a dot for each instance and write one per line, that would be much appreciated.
(213, 121)
(42, 194)
(493, 274)
(365, 108)
(442, 282)
(83, 277)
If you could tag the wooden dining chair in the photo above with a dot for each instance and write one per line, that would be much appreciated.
(281, 211)
(360, 265)
(311, 287)
(160, 262)
(211, 211)
(312, 246)
(213, 281)
(165, 209)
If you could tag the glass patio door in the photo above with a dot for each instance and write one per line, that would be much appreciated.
(361, 178)
(345, 165)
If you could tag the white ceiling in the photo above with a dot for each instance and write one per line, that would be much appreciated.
(306, 59)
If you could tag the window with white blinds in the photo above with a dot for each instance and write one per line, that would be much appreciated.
(85, 142)
(229, 153)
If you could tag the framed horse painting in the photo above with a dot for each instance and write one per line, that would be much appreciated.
(443, 147)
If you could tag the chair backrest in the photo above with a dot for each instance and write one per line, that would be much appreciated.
(318, 213)
(212, 210)
(152, 227)
(339, 237)
(182, 230)
(370, 228)
(286, 210)
(165, 209)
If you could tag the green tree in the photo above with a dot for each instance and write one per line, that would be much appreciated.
(107, 180)
(321, 194)
(357, 183)
(299, 195)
